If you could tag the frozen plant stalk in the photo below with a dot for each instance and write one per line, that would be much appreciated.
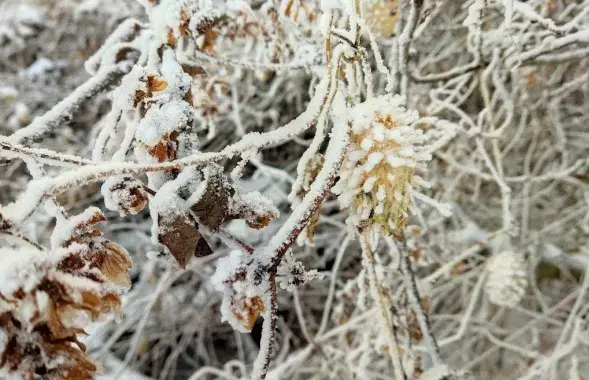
(378, 173)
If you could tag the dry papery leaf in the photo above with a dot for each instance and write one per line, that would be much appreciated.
(212, 209)
(247, 310)
(183, 239)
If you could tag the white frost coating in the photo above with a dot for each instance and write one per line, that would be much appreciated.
(122, 32)
(376, 187)
(253, 203)
(291, 273)
(507, 280)
(178, 81)
(165, 16)
(8, 93)
(123, 107)
(26, 204)
(65, 228)
(75, 282)
(475, 10)
(438, 372)
(123, 194)
(328, 5)
(442, 208)
(124, 95)
(508, 12)
(333, 156)
(43, 65)
(161, 121)
(374, 159)
(167, 200)
(321, 125)
(42, 124)
(20, 268)
(235, 278)
(260, 361)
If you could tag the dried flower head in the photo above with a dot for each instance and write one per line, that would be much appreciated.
(47, 298)
(90, 254)
(507, 281)
(378, 173)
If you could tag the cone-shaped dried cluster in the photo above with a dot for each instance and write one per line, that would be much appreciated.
(47, 298)
(507, 281)
(378, 173)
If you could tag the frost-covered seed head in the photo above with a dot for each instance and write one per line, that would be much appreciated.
(379, 171)
(507, 282)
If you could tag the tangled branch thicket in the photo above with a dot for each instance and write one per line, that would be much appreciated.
(294, 189)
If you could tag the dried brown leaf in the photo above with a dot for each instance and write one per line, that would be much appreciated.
(212, 209)
(156, 83)
(183, 239)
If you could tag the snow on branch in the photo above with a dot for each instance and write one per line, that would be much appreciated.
(429, 157)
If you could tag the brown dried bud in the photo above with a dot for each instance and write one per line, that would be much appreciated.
(257, 210)
(171, 38)
(126, 195)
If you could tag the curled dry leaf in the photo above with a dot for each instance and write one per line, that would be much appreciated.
(246, 310)
(166, 148)
(182, 238)
(213, 207)
(156, 83)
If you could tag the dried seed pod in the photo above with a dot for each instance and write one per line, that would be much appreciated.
(378, 173)
(126, 195)
(507, 281)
